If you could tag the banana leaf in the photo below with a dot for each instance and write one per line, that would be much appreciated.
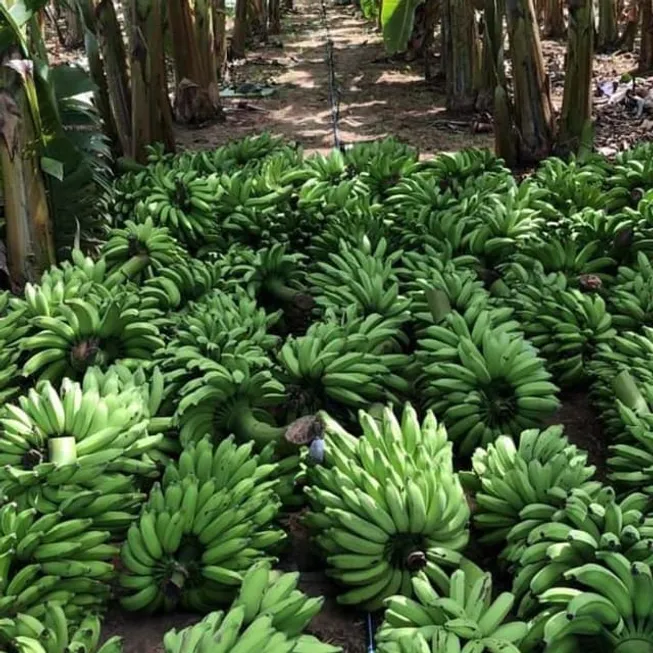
(397, 18)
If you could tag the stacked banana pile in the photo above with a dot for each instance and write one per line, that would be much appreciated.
(386, 505)
(519, 487)
(159, 400)
(207, 522)
(462, 618)
(51, 633)
(268, 615)
(53, 558)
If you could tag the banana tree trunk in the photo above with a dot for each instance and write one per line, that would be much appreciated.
(577, 98)
(554, 21)
(274, 13)
(30, 242)
(258, 19)
(646, 44)
(627, 38)
(197, 99)
(205, 39)
(505, 138)
(74, 29)
(101, 95)
(220, 35)
(460, 49)
(431, 11)
(151, 113)
(533, 113)
(607, 33)
(492, 68)
(240, 32)
(114, 57)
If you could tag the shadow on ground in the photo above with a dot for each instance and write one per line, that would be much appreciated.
(377, 97)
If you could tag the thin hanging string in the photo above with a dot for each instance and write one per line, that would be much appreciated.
(334, 93)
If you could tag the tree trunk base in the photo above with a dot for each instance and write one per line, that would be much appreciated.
(74, 34)
(195, 105)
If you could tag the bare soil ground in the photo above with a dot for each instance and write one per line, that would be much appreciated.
(380, 96)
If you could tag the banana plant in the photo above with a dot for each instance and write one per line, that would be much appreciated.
(397, 17)
(64, 156)
(29, 234)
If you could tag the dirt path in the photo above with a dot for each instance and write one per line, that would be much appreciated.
(377, 97)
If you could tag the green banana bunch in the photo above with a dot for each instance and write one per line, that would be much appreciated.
(13, 326)
(573, 185)
(133, 249)
(568, 327)
(606, 604)
(630, 464)
(200, 459)
(360, 224)
(498, 387)
(416, 197)
(89, 332)
(386, 505)
(127, 191)
(381, 165)
(284, 167)
(452, 276)
(273, 276)
(194, 538)
(616, 233)
(53, 558)
(221, 632)
(631, 297)
(449, 306)
(366, 279)
(57, 286)
(321, 200)
(330, 168)
(342, 364)
(234, 312)
(529, 285)
(504, 226)
(273, 593)
(181, 200)
(57, 443)
(150, 386)
(627, 355)
(51, 632)
(205, 338)
(231, 400)
(632, 174)
(528, 483)
(9, 359)
(455, 169)
(364, 157)
(120, 378)
(570, 257)
(178, 284)
(249, 211)
(252, 151)
(62, 283)
(464, 617)
(577, 533)
(443, 230)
